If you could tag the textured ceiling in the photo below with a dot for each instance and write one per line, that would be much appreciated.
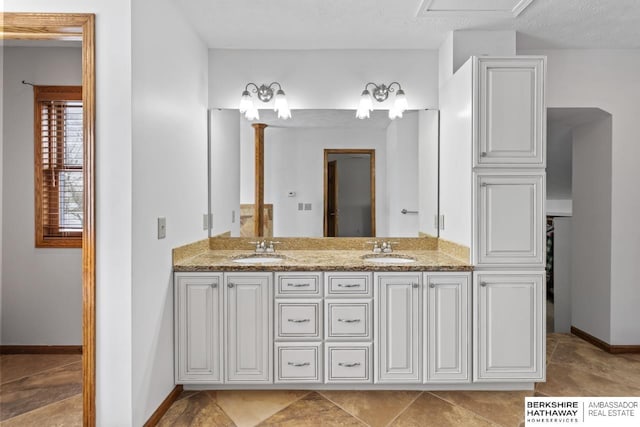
(393, 24)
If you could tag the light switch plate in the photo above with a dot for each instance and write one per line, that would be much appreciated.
(205, 221)
(162, 227)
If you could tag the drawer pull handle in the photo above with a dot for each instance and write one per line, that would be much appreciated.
(349, 320)
(299, 320)
(348, 285)
(483, 284)
(231, 285)
(298, 364)
(299, 285)
(348, 364)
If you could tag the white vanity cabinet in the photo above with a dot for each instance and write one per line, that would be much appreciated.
(510, 218)
(248, 343)
(509, 334)
(198, 323)
(509, 112)
(447, 327)
(398, 327)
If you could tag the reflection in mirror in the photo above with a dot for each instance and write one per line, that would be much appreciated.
(382, 168)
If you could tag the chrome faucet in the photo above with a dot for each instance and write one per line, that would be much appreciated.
(386, 247)
(261, 246)
(376, 247)
(271, 249)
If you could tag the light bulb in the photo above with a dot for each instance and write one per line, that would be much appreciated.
(246, 103)
(252, 114)
(400, 103)
(395, 113)
(365, 105)
(281, 105)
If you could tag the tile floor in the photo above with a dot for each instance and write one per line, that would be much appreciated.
(44, 390)
(40, 390)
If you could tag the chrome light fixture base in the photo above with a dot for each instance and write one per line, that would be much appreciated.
(264, 93)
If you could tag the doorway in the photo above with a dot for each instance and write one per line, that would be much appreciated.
(349, 193)
(81, 28)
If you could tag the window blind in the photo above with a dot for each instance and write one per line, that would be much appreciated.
(59, 166)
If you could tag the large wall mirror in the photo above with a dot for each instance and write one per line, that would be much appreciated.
(325, 174)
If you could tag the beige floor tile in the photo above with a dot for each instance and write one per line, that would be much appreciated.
(505, 408)
(312, 410)
(429, 410)
(29, 393)
(569, 380)
(197, 410)
(594, 360)
(15, 366)
(249, 407)
(376, 408)
(65, 413)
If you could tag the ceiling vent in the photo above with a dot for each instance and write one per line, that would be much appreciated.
(472, 8)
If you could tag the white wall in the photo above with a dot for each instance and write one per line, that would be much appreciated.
(41, 287)
(293, 161)
(455, 156)
(591, 226)
(113, 189)
(402, 176)
(323, 78)
(428, 123)
(1, 173)
(169, 81)
(225, 171)
(608, 79)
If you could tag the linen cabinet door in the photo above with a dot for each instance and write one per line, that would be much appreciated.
(198, 325)
(447, 328)
(510, 112)
(249, 327)
(509, 337)
(398, 327)
(510, 219)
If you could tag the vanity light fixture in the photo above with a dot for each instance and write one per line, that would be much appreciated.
(380, 93)
(264, 93)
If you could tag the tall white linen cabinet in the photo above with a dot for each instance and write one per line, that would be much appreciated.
(492, 196)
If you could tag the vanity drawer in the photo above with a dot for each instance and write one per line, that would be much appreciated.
(298, 362)
(298, 318)
(298, 284)
(347, 284)
(348, 319)
(348, 363)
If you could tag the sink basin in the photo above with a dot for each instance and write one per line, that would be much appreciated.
(258, 259)
(389, 258)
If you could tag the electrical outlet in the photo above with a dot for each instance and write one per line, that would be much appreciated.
(205, 221)
(233, 216)
(307, 206)
(441, 222)
(162, 227)
(300, 206)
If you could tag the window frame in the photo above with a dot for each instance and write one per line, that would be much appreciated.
(43, 239)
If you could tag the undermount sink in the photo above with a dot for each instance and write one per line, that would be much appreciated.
(388, 258)
(258, 259)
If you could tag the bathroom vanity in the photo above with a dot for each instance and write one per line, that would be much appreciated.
(333, 319)
(465, 311)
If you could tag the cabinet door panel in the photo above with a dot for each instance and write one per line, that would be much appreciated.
(510, 336)
(510, 112)
(446, 345)
(510, 211)
(398, 327)
(249, 328)
(198, 306)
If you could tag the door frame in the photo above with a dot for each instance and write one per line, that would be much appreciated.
(372, 180)
(75, 27)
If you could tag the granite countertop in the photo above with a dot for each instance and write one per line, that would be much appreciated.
(320, 260)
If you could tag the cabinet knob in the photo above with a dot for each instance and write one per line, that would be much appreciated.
(415, 285)
(214, 285)
(483, 154)
(483, 284)
(230, 285)
(432, 285)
